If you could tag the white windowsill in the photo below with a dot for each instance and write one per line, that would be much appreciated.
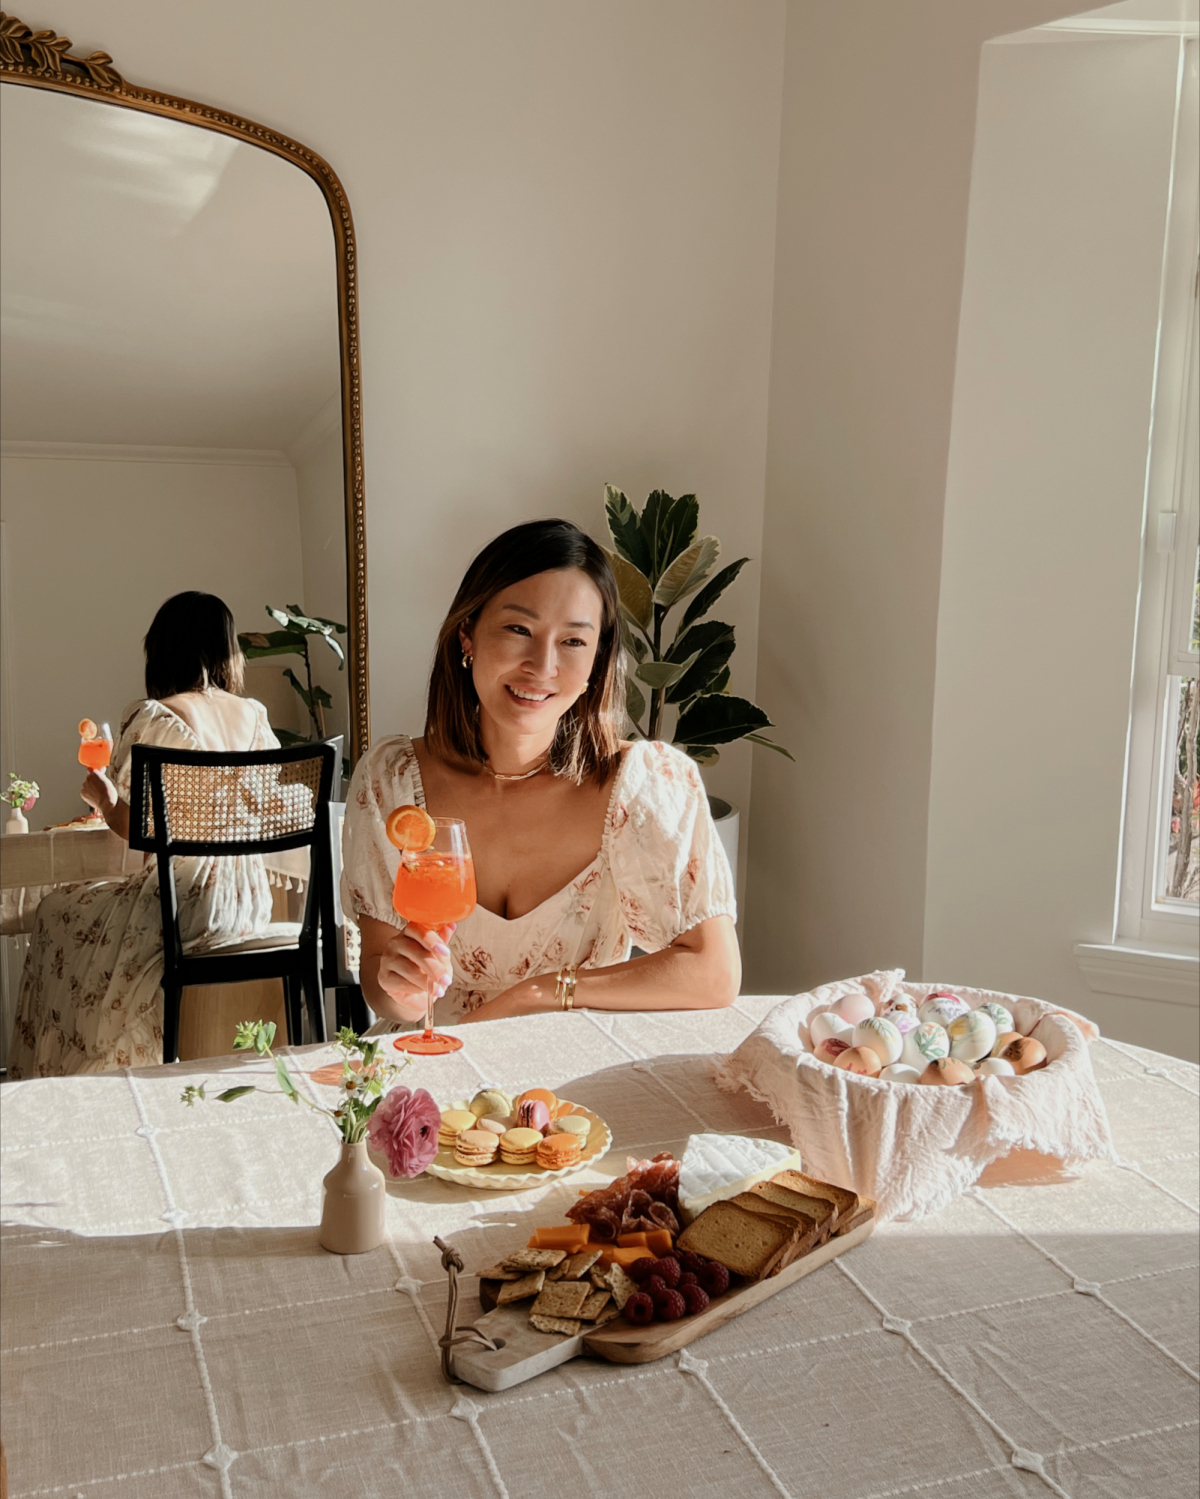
(1168, 974)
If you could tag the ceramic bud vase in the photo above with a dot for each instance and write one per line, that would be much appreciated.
(16, 822)
(352, 1220)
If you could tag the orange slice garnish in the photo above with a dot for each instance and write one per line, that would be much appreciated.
(411, 829)
(87, 729)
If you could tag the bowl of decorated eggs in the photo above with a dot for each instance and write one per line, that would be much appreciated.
(939, 1040)
(907, 1093)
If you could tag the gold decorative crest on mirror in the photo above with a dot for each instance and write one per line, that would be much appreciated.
(126, 192)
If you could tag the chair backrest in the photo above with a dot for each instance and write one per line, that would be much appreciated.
(219, 803)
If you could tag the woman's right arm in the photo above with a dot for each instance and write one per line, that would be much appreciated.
(398, 969)
(99, 792)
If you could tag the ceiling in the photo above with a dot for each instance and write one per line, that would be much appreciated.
(161, 284)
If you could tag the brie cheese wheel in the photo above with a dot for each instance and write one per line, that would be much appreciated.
(715, 1167)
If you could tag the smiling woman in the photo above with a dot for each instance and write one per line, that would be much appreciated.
(583, 843)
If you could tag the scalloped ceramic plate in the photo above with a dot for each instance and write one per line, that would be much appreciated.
(502, 1178)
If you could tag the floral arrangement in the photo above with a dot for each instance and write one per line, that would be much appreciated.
(402, 1123)
(21, 794)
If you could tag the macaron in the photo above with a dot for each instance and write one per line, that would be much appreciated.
(517, 1146)
(557, 1152)
(538, 1095)
(496, 1124)
(476, 1147)
(532, 1113)
(572, 1124)
(454, 1121)
(490, 1101)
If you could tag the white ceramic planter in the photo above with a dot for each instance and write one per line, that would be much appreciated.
(727, 817)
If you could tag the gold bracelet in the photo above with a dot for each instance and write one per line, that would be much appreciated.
(564, 987)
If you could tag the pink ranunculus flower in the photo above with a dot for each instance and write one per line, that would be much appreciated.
(404, 1127)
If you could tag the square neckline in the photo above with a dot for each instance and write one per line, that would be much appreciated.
(419, 787)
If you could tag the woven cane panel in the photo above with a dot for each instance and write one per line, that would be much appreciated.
(233, 803)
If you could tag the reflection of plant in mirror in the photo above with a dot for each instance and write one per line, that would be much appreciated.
(365, 1078)
(293, 640)
(658, 563)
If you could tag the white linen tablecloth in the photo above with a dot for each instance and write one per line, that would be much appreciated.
(170, 1326)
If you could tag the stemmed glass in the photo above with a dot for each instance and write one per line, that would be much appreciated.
(95, 745)
(433, 888)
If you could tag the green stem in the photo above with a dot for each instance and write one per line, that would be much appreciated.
(313, 706)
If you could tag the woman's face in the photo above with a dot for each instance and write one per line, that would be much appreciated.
(534, 646)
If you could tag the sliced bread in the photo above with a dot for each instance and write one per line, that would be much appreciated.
(842, 1198)
(749, 1244)
(819, 1209)
(809, 1228)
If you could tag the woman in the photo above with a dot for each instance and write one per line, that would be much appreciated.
(583, 845)
(90, 997)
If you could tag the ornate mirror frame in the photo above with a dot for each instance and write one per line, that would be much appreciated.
(42, 59)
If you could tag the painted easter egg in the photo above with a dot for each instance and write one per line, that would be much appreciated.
(825, 1025)
(971, 1036)
(947, 1072)
(941, 1009)
(900, 1004)
(996, 1067)
(830, 1049)
(1001, 1017)
(925, 1044)
(901, 1072)
(853, 1008)
(859, 1059)
(880, 1036)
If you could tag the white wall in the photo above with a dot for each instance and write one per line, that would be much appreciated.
(565, 213)
(94, 547)
(873, 189)
(1044, 517)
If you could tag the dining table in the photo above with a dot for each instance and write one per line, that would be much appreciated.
(170, 1326)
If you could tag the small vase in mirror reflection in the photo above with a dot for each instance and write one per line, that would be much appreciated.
(353, 1215)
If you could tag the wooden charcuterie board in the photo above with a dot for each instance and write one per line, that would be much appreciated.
(527, 1352)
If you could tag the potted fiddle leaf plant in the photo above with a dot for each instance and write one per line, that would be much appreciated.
(679, 662)
(292, 639)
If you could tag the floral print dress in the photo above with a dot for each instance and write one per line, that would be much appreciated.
(90, 994)
(660, 871)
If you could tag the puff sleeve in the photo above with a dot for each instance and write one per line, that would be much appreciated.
(385, 778)
(667, 860)
(146, 722)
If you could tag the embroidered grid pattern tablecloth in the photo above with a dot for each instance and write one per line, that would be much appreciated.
(170, 1326)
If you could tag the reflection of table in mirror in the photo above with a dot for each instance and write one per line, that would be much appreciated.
(33, 864)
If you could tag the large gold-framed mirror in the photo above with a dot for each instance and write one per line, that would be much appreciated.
(181, 399)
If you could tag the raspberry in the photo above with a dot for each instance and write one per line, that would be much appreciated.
(639, 1309)
(668, 1268)
(689, 1261)
(695, 1298)
(669, 1307)
(655, 1286)
(641, 1270)
(714, 1278)
(685, 1280)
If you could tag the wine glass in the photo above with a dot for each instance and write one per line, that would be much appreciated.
(433, 888)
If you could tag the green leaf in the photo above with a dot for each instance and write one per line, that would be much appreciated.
(269, 1031)
(625, 529)
(259, 1040)
(770, 744)
(305, 697)
(336, 649)
(703, 754)
(286, 620)
(634, 589)
(711, 592)
(635, 703)
(712, 642)
(285, 1080)
(668, 528)
(258, 643)
(687, 572)
(660, 674)
(305, 622)
(332, 623)
(720, 682)
(634, 643)
(231, 1093)
(718, 719)
(287, 738)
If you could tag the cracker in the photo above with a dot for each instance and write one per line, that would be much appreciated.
(565, 1325)
(498, 1272)
(610, 1311)
(534, 1259)
(594, 1305)
(599, 1278)
(562, 1298)
(581, 1263)
(622, 1287)
(519, 1290)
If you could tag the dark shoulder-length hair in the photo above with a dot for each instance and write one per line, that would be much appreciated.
(192, 644)
(587, 745)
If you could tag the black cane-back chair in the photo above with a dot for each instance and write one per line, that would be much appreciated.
(192, 803)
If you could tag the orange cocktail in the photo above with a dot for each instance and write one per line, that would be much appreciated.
(435, 886)
(95, 745)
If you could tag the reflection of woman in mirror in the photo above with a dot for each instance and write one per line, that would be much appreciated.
(90, 997)
(584, 845)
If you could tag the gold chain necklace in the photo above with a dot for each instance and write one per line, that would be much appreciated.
(525, 776)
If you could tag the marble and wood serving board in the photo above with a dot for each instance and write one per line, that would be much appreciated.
(525, 1352)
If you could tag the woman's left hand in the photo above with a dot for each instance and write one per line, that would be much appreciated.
(99, 792)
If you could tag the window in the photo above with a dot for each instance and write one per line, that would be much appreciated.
(1159, 897)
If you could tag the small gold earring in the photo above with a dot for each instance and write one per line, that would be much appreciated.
(468, 661)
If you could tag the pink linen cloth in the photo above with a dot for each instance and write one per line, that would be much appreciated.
(915, 1148)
